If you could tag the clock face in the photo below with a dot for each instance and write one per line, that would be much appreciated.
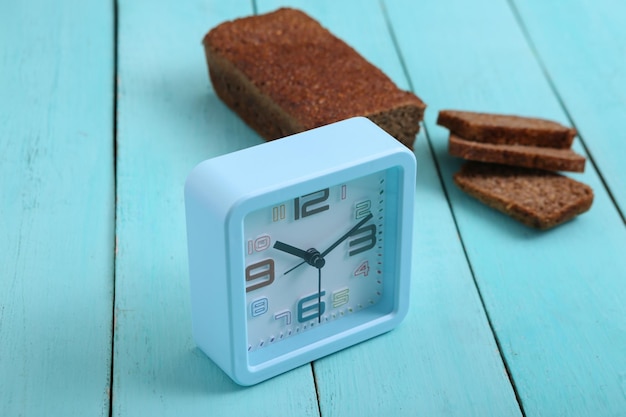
(316, 258)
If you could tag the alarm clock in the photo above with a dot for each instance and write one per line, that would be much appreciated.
(299, 247)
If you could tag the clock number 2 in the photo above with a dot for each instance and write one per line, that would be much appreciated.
(259, 274)
(305, 209)
(362, 209)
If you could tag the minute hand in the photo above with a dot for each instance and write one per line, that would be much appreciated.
(348, 234)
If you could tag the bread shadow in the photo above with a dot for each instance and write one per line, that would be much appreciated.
(179, 105)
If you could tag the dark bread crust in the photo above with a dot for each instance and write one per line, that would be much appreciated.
(537, 198)
(506, 129)
(518, 155)
(284, 73)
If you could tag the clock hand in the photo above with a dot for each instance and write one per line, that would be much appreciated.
(292, 250)
(311, 256)
(300, 264)
(326, 252)
(348, 234)
(298, 252)
(319, 295)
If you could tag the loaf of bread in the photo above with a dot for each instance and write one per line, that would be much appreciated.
(524, 156)
(283, 73)
(506, 129)
(537, 198)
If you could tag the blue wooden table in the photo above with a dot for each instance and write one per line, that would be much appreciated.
(105, 108)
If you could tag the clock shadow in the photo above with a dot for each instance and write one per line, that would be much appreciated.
(198, 374)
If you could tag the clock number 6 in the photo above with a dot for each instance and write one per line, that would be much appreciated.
(311, 307)
(259, 274)
(305, 209)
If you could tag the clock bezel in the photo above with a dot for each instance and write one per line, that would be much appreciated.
(221, 191)
(347, 331)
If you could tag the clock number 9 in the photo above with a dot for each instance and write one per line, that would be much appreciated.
(306, 210)
(261, 270)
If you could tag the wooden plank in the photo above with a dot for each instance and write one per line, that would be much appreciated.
(586, 66)
(443, 359)
(57, 207)
(555, 298)
(168, 121)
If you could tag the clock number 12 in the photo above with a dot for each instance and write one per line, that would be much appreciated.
(307, 208)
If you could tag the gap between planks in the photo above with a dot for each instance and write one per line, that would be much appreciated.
(555, 91)
(394, 39)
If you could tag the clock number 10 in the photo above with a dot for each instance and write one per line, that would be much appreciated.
(310, 206)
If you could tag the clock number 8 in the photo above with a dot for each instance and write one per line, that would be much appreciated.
(260, 274)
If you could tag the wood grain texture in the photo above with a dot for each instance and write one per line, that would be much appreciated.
(587, 67)
(555, 299)
(168, 121)
(442, 360)
(430, 365)
(57, 207)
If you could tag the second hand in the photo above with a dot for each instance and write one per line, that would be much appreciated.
(319, 295)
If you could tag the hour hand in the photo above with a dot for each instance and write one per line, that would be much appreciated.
(292, 250)
(311, 256)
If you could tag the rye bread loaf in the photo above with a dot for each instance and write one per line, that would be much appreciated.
(506, 129)
(283, 73)
(518, 155)
(537, 198)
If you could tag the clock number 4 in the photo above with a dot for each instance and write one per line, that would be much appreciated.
(307, 206)
(362, 269)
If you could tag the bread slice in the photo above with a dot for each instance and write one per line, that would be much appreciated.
(537, 198)
(283, 73)
(518, 155)
(506, 129)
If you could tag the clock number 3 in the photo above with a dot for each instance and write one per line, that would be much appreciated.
(365, 241)
(259, 274)
(306, 208)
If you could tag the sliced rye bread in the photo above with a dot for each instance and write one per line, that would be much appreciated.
(537, 198)
(506, 129)
(284, 73)
(518, 155)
